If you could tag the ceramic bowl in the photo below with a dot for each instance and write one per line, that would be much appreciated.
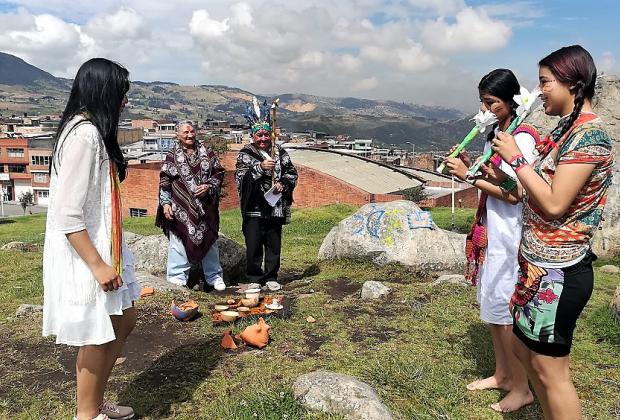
(243, 310)
(250, 303)
(229, 316)
(221, 308)
(252, 293)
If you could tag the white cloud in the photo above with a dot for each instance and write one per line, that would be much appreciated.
(126, 23)
(473, 30)
(365, 84)
(204, 27)
(322, 47)
(607, 62)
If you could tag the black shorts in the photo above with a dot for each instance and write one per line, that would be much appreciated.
(547, 303)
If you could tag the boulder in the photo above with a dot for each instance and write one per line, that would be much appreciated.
(610, 269)
(615, 305)
(606, 241)
(27, 309)
(338, 394)
(151, 255)
(19, 246)
(159, 284)
(374, 290)
(452, 279)
(395, 232)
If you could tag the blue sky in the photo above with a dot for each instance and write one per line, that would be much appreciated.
(424, 51)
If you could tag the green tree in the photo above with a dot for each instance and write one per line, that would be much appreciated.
(26, 200)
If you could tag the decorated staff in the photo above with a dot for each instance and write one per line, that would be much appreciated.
(483, 121)
(274, 133)
(525, 100)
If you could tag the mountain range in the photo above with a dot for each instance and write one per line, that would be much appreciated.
(25, 88)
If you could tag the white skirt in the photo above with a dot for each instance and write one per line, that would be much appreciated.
(496, 284)
(78, 324)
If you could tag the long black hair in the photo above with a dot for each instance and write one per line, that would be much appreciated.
(574, 67)
(98, 91)
(503, 84)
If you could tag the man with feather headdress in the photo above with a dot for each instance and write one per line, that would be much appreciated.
(257, 172)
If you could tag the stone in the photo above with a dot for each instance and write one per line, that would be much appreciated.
(273, 286)
(606, 241)
(151, 255)
(19, 246)
(339, 394)
(310, 320)
(395, 232)
(452, 279)
(610, 269)
(27, 309)
(615, 305)
(160, 284)
(374, 290)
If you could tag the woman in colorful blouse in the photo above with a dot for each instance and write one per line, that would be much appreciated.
(493, 243)
(564, 194)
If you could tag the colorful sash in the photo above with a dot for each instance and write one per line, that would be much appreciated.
(117, 221)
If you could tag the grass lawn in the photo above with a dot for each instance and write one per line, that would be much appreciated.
(418, 348)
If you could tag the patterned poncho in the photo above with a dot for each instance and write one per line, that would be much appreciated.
(253, 183)
(196, 220)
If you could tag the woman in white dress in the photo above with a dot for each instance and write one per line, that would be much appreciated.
(494, 241)
(88, 277)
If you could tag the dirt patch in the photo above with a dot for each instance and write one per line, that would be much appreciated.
(341, 288)
(314, 343)
(29, 364)
(352, 312)
(404, 275)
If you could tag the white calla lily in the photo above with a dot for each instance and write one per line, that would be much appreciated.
(484, 120)
(526, 100)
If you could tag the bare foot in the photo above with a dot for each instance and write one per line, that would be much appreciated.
(489, 383)
(513, 401)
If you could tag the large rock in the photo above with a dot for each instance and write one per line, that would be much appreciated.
(610, 269)
(151, 254)
(374, 290)
(450, 279)
(615, 305)
(340, 394)
(19, 246)
(607, 106)
(27, 309)
(395, 232)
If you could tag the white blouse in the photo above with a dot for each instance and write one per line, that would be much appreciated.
(76, 310)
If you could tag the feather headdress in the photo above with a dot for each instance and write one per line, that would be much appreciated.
(258, 116)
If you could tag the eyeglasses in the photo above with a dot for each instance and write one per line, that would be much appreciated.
(544, 84)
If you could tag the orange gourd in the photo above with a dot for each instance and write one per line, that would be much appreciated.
(256, 335)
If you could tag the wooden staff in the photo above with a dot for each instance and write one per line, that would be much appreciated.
(274, 135)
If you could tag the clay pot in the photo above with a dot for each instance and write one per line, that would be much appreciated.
(227, 341)
(184, 311)
(256, 335)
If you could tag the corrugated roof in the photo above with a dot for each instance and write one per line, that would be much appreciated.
(362, 173)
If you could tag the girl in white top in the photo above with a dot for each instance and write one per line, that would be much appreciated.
(88, 277)
(500, 215)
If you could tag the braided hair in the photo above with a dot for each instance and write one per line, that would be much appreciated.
(572, 66)
(503, 84)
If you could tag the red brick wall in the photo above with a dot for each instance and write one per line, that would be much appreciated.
(141, 187)
(469, 197)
